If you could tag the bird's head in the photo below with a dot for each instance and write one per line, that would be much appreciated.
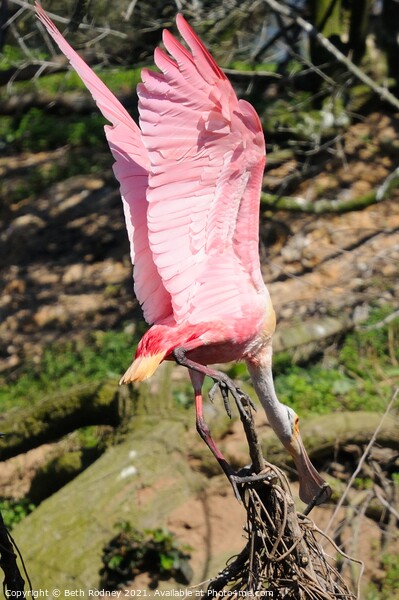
(310, 482)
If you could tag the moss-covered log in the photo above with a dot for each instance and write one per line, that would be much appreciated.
(327, 205)
(58, 414)
(59, 471)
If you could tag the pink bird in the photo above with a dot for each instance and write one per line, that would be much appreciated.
(190, 180)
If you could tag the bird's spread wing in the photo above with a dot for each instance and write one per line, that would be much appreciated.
(131, 169)
(207, 154)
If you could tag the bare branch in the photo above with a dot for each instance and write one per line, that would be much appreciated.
(383, 92)
(65, 20)
(394, 315)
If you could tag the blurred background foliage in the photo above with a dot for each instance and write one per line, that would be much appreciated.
(304, 95)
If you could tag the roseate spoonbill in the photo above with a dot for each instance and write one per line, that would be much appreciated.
(190, 179)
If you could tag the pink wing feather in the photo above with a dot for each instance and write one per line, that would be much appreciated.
(207, 157)
(194, 229)
(131, 169)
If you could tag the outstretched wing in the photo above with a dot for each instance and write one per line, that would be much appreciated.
(131, 169)
(207, 155)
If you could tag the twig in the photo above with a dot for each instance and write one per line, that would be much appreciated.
(342, 553)
(260, 74)
(314, 33)
(362, 460)
(386, 504)
(129, 10)
(255, 450)
(382, 323)
(65, 20)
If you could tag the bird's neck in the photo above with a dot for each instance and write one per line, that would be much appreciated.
(260, 370)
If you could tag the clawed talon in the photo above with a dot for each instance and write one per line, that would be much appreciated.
(242, 395)
(212, 391)
(225, 395)
(220, 385)
(226, 386)
(238, 396)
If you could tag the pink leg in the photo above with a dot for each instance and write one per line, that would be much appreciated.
(197, 380)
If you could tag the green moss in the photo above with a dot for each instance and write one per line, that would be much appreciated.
(69, 463)
(10, 55)
(58, 472)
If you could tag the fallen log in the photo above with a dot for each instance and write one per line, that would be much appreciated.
(94, 403)
(325, 434)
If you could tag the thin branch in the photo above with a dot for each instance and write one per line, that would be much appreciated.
(13, 581)
(129, 10)
(394, 315)
(387, 505)
(342, 553)
(65, 20)
(338, 55)
(261, 74)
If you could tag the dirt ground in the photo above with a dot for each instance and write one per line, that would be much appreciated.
(64, 259)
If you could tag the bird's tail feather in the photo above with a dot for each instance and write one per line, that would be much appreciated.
(142, 368)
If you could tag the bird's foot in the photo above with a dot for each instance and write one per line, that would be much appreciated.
(242, 400)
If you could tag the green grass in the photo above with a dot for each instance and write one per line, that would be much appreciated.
(360, 376)
(13, 511)
(37, 131)
(156, 551)
(10, 56)
(103, 355)
(117, 79)
(388, 587)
